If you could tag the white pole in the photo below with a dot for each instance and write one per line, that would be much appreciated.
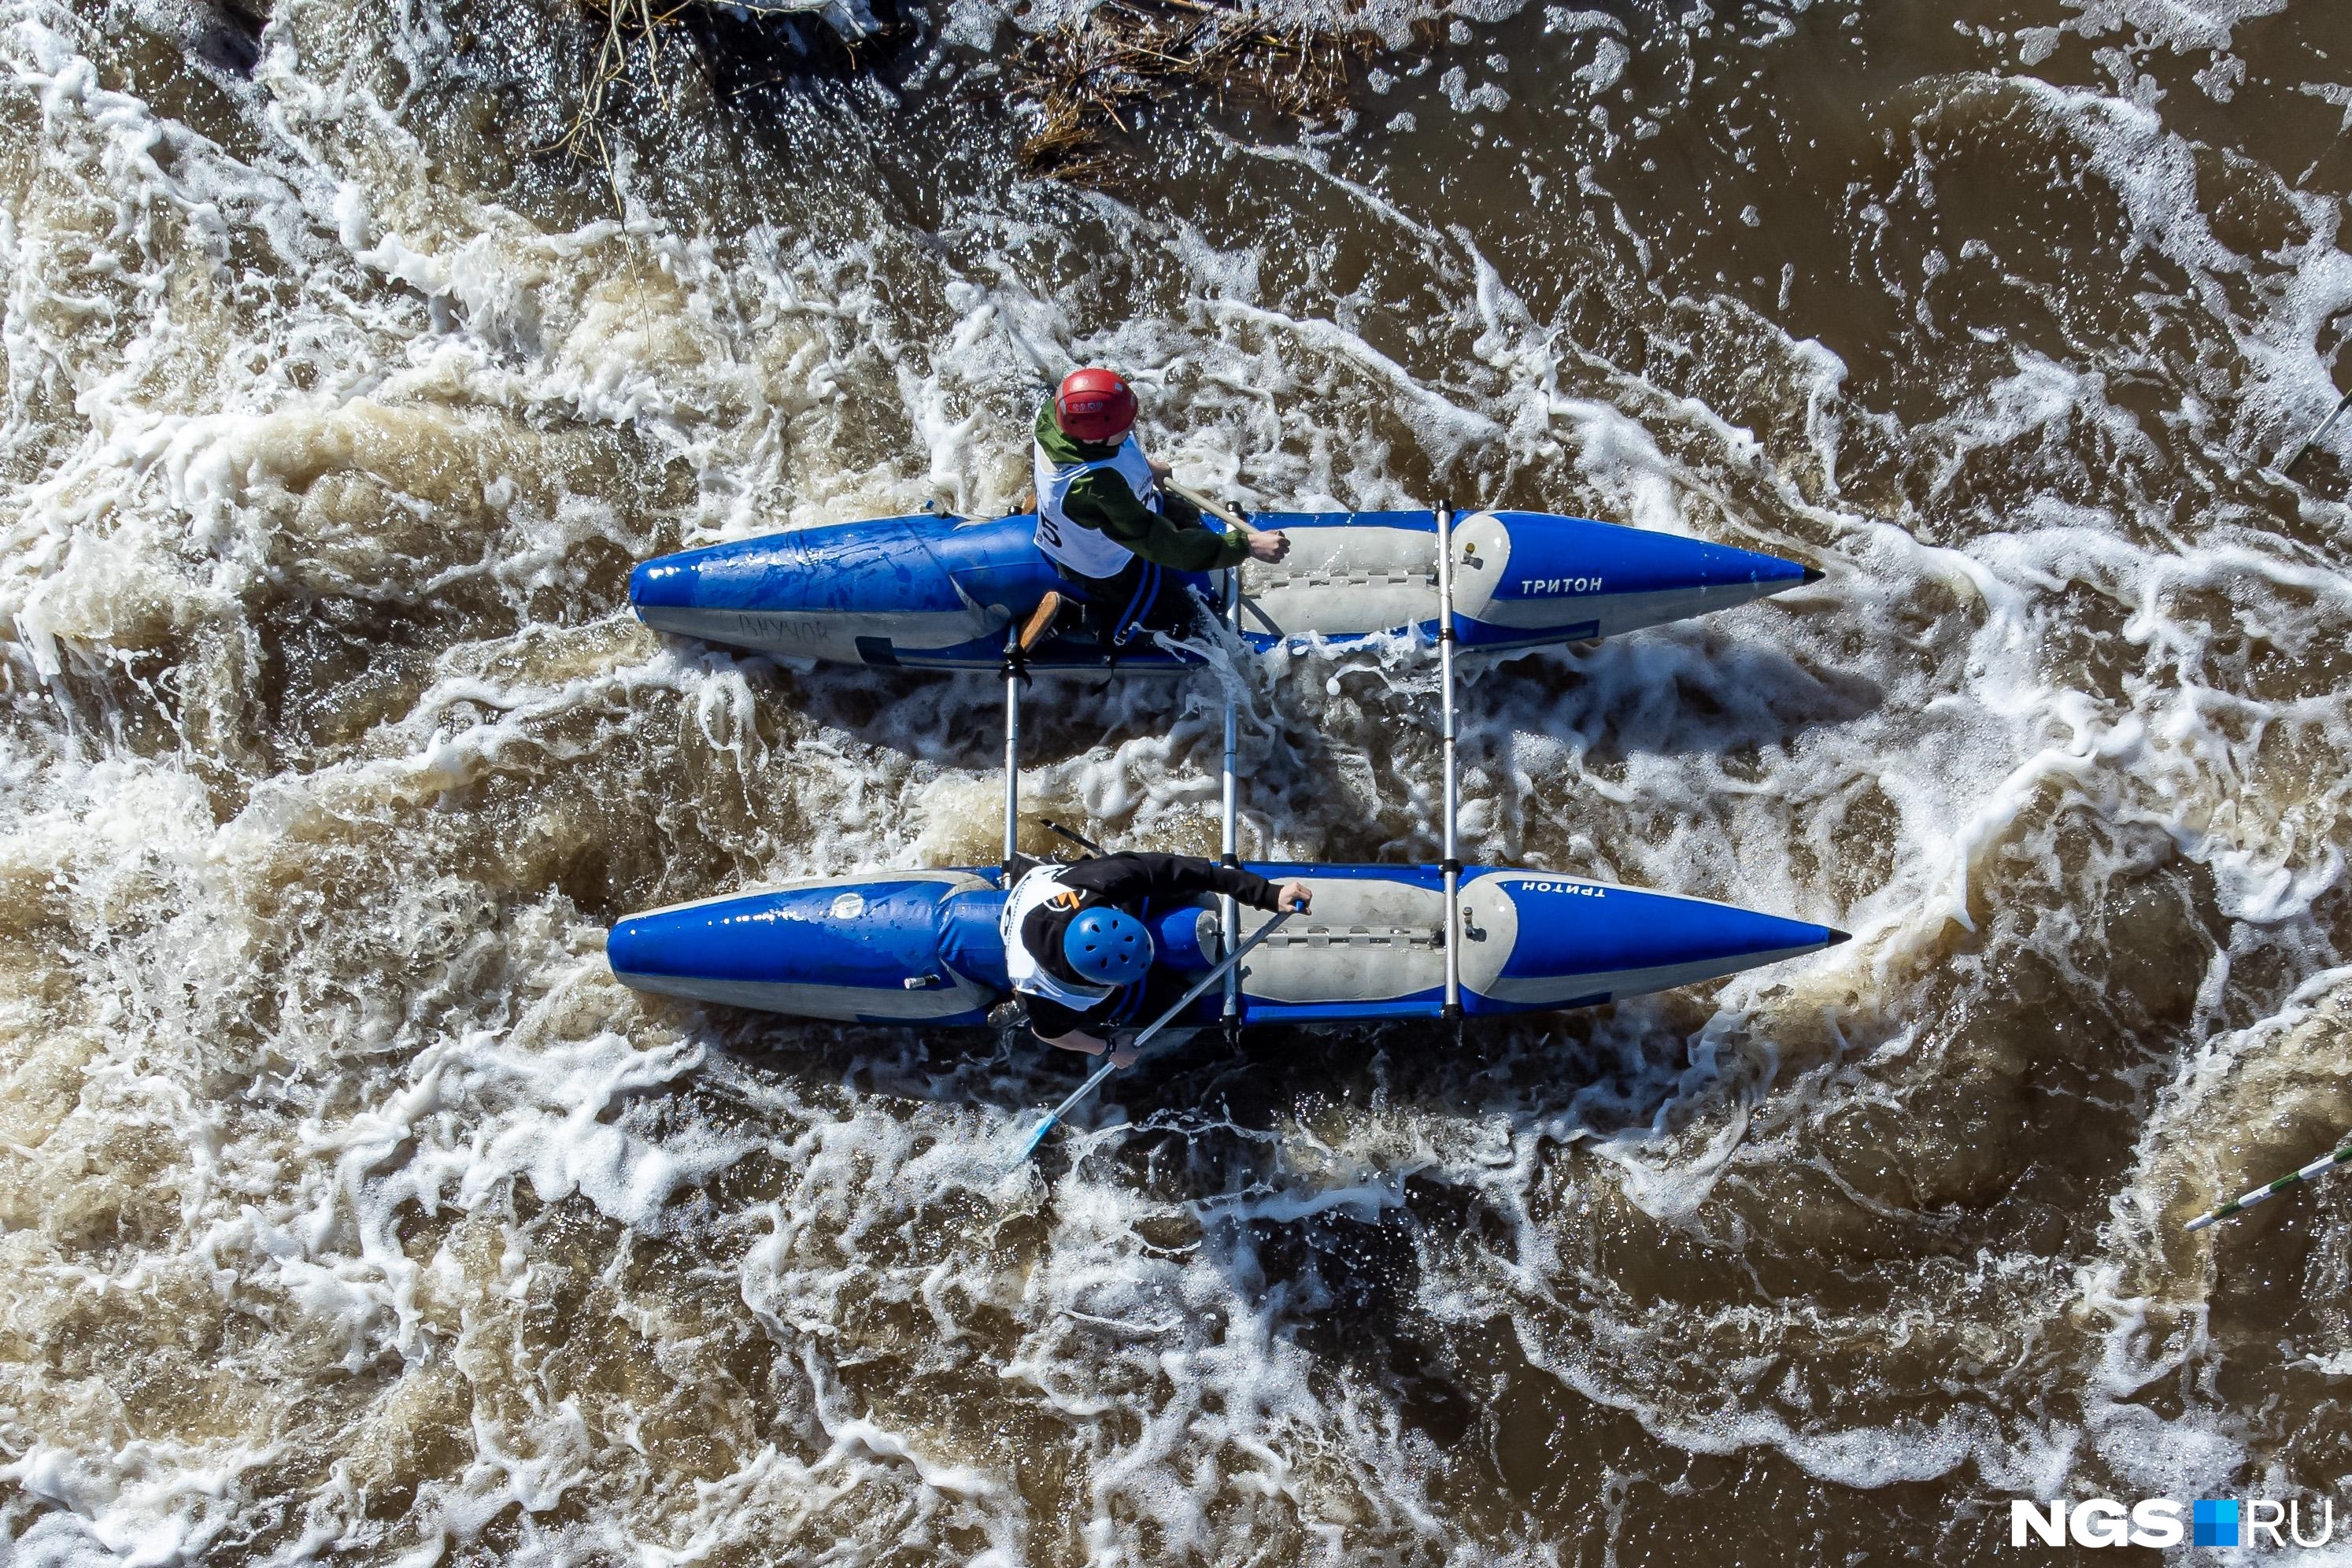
(1228, 913)
(1452, 864)
(1229, 840)
(1011, 755)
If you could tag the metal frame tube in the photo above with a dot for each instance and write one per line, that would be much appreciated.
(1012, 754)
(1452, 864)
(1228, 840)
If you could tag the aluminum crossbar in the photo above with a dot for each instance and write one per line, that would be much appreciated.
(1452, 864)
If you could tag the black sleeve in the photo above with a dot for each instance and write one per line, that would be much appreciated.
(1049, 1018)
(1128, 878)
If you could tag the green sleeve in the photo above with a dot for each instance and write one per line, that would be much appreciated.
(1102, 501)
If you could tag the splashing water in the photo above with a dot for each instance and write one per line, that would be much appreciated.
(349, 1206)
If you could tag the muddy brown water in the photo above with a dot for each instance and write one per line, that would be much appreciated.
(348, 1206)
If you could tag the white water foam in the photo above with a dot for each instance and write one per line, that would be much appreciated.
(313, 1049)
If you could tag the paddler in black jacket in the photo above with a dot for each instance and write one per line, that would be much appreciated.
(1112, 531)
(1074, 941)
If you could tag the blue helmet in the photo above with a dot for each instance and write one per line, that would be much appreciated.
(1108, 947)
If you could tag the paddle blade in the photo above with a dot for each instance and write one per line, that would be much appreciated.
(1029, 1146)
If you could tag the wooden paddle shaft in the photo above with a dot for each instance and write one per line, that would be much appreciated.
(1221, 514)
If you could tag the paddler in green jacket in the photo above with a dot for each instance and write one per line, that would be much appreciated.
(1107, 525)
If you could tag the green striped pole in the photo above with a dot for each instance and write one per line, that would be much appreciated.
(2316, 1168)
(2292, 459)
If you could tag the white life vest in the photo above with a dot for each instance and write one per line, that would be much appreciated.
(1086, 549)
(1021, 966)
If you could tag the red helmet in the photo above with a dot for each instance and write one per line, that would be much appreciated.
(1094, 406)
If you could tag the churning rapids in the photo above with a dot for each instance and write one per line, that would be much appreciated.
(349, 1209)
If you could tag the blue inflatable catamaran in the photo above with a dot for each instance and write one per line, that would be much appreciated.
(1381, 942)
(941, 593)
(924, 947)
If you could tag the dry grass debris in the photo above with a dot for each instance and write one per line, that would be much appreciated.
(625, 31)
(682, 53)
(1085, 79)
(1082, 81)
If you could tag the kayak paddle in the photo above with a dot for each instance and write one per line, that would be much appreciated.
(1208, 508)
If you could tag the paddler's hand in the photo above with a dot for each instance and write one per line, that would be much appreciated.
(1294, 897)
(1122, 1050)
(1266, 545)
